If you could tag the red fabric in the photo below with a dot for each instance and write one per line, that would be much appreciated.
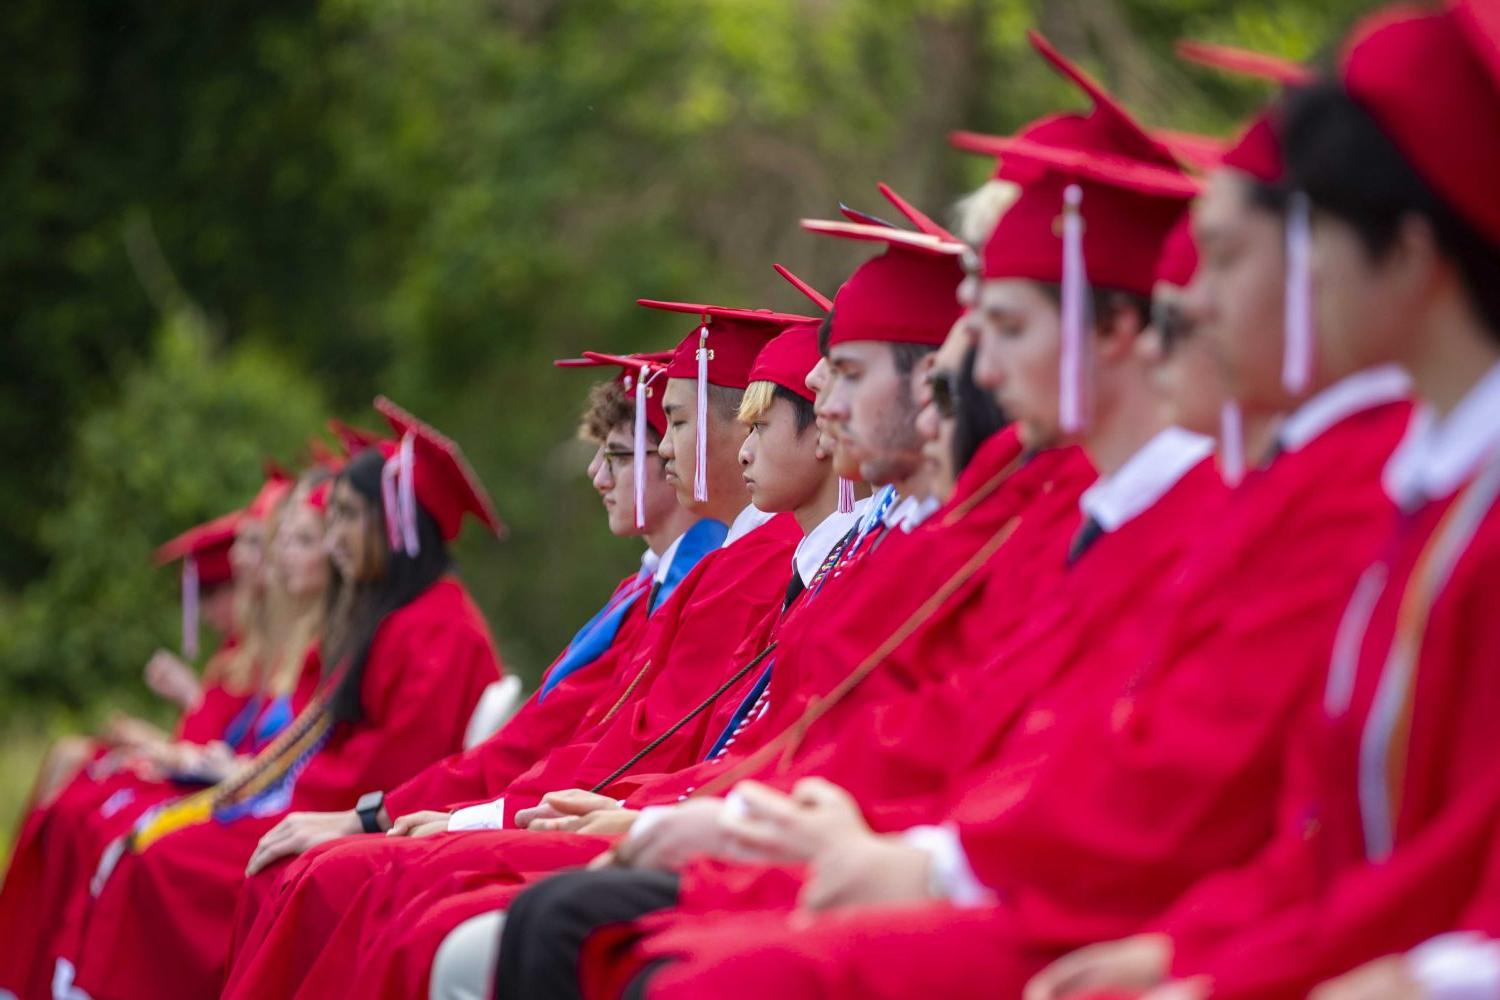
(1345, 910)
(1257, 151)
(906, 295)
(1179, 254)
(1445, 124)
(788, 359)
(172, 906)
(631, 367)
(733, 337)
(209, 544)
(446, 486)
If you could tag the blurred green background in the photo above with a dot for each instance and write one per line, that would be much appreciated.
(226, 221)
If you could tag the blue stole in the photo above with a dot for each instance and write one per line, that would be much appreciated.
(251, 730)
(599, 632)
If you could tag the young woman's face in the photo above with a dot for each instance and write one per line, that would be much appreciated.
(300, 554)
(1181, 368)
(1018, 353)
(781, 466)
(349, 534)
(870, 411)
(1235, 302)
(247, 553)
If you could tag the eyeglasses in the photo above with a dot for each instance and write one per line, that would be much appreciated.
(613, 455)
(944, 387)
(1172, 324)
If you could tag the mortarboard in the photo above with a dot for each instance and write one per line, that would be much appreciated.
(425, 467)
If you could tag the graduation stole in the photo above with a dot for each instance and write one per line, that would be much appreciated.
(263, 786)
(1383, 742)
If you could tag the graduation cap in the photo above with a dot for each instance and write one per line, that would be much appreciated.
(1431, 82)
(788, 360)
(907, 294)
(1098, 197)
(277, 484)
(426, 467)
(355, 439)
(721, 350)
(204, 552)
(638, 374)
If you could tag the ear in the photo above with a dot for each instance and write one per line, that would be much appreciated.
(1414, 263)
(1118, 328)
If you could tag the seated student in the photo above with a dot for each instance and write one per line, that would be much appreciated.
(1166, 771)
(1399, 758)
(580, 686)
(404, 659)
(61, 838)
(684, 657)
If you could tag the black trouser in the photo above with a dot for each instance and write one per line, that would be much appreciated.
(547, 924)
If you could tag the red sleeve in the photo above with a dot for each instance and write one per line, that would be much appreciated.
(210, 719)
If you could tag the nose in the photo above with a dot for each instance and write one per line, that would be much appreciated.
(989, 372)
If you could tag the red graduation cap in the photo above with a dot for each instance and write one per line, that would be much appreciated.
(276, 486)
(789, 359)
(1178, 259)
(1431, 81)
(355, 439)
(204, 552)
(427, 468)
(1256, 151)
(721, 350)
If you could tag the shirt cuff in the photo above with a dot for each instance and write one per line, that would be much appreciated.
(1458, 966)
(485, 816)
(951, 876)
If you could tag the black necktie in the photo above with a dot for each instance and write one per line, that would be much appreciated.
(1087, 535)
(794, 589)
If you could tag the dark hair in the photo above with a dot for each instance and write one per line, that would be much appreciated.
(1105, 302)
(977, 416)
(802, 407)
(1348, 167)
(609, 406)
(366, 604)
(825, 333)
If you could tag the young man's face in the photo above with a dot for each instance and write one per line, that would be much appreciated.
(678, 446)
(870, 411)
(781, 466)
(1365, 309)
(820, 381)
(1180, 367)
(936, 428)
(613, 474)
(1236, 299)
(1018, 353)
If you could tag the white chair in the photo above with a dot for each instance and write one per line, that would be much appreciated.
(496, 705)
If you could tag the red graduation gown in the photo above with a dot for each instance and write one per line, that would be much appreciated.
(1158, 781)
(171, 907)
(1319, 902)
(688, 649)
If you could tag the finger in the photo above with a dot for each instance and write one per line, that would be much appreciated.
(753, 835)
(815, 791)
(765, 803)
(605, 859)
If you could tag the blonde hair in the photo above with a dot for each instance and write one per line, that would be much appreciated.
(757, 400)
(977, 213)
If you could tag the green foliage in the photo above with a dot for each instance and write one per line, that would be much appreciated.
(433, 198)
(184, 442)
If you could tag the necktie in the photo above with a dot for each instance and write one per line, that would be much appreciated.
(1087, 535)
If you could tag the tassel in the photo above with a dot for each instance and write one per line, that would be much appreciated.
(700, 474)
(407, 481)
(1297, 361)
(1231, 443)
(388, 501)
(1071, 407)
(190, 607)
(640, 450)
(846, 495)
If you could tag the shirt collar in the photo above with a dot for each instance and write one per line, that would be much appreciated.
(1436, 457)
(813, 550)
(1352, 394)
(909, 514)
(664, 563)
(746, 521)
(650, 561)
(1144, 478)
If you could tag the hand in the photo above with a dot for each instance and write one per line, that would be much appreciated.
(599, 823)
(680, 832)
(419, 824)
(869, 870)
(301, 832)
(816, 818)
(125, 731)
(557, 805)
(173, 680)
(1134, 963)
(1386, 978)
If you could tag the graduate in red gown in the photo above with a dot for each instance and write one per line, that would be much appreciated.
(1165, 774)
(691, 647)
(580, 686)
(63, 835)
(407, 656)
(1378, 851)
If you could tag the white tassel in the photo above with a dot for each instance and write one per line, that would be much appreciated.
(640, 451)
(190, 607)
(388, 473)
(1071, 409)
(1231, 443)
(846, 495)
(1297, 359)
(700, 474)
(407, 481)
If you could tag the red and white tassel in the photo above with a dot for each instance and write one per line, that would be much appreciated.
(190, 607)
(388, 473)
(1297, 358)
(1070, 400)
(846, 495)
(640, 451)
(398, 494)
(700, 473)
(1231, 443)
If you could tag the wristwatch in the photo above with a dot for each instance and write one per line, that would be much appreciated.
(368, 809)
